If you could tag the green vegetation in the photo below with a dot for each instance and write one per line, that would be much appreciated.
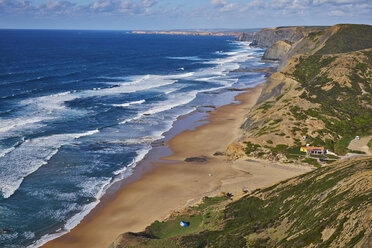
(172, 227)
(344, 110)
(281, 134)
(315, 35)
(267, 105)
(274, 122)
(268, 129)
(311, 161)
(332, 156)
(250, 147)
(357, 152)
(292, 213)
(369, 144)
(350, 37)
(293, 152)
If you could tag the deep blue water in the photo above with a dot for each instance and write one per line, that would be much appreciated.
(78, 109)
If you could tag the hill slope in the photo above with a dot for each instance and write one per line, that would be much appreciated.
(326, 98)
(328, 207)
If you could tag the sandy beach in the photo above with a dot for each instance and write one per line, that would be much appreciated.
(160, 187)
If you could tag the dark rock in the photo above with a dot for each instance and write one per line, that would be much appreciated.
(276, 91)
(277, 51)
(196, 159)
(219, 154)
(236, 89)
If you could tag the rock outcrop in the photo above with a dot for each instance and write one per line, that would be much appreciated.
(269, 36)
(235, 151)
(245, 37)
(277, 51)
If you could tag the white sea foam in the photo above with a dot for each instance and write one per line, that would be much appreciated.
(192, 58)
(6, 151)
(140, 155)
(7, 125)
(127, 104)
(29, 157)
(141, 140)
(174, 100)
(45, 108)
(89, 187)
(215, 74)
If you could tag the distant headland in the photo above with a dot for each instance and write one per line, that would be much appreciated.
(200, 33)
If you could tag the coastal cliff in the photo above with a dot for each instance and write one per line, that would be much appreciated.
(245, 37)
(322, 96)
(277, 51)
(269, 36)
(201, 33)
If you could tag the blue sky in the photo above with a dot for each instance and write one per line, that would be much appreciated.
(177, 14)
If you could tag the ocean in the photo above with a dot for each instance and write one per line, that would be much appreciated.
(80, 109)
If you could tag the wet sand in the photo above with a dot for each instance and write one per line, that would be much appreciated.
(159, 187)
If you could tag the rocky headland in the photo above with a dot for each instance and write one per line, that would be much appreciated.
(201, 33)
(245, 36)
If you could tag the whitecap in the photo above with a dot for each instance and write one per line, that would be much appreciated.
(29, 157)
(127, 104)
(192, 58)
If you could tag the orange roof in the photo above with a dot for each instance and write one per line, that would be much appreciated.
(313, 148)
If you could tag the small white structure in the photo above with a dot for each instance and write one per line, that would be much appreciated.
(304, 137)
(357, 137)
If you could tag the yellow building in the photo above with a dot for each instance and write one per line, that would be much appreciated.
(313, 150)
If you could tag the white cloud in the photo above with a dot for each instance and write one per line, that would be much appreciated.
(52, 7)
(336, 13)
(224, 6)
(212, 12)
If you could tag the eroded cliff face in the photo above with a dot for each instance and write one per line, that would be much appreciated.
(245, 37)
(269, 36)
(315, 40)
(312, 42)
(277, 51)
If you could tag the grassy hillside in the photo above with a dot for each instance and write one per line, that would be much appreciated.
(326, 98)
(349, 37)
(328, 207)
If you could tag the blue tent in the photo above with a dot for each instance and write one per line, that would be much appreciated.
(184, 224)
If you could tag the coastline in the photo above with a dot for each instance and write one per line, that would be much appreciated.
(158, 187)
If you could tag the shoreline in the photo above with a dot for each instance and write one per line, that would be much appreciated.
(163, 183)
